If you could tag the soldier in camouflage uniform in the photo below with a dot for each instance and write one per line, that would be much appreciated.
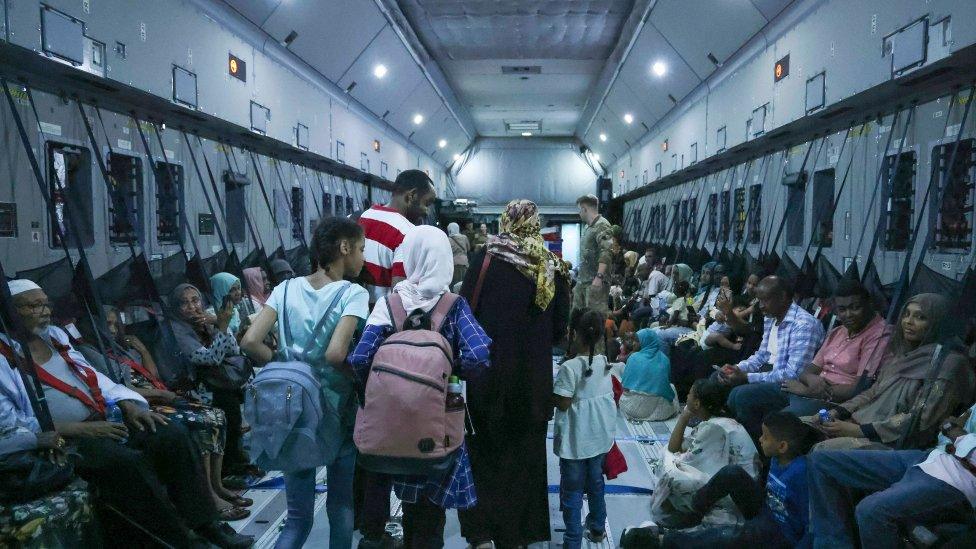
(593, 282)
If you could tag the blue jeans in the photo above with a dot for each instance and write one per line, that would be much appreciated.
(900, 494)
(669, 336)
(300, 495)
(577, 476)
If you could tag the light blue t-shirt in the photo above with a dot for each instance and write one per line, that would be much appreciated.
(305, 308)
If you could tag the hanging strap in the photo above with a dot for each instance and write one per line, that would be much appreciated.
(476, 296)
(94, 402)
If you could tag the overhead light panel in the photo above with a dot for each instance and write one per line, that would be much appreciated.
(418, 119)
(596, 157)
(629, 118)
(524, 126)
(603, 137)
(526, 134)
(379, 71)
(457, 157)
(442, 143)
(659, 68)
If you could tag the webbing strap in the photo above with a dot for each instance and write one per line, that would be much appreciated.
(267, 201)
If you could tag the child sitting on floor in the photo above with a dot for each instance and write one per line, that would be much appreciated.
(775, 517)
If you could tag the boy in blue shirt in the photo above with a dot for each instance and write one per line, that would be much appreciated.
(775, 517)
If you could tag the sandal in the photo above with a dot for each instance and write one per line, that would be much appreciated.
(234, 513)
(238, 501)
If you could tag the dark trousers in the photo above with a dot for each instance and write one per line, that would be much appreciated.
(751, 402)
(758, 530)
(230, 402)
(423, 525)
(156, 479)
(375, 510)
(900, 494)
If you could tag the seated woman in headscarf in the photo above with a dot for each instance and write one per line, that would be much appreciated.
(258, 287)
(460, 247)
(648, 393)
(213, 356)
(915, 391)
(226, 288)
(207, 425)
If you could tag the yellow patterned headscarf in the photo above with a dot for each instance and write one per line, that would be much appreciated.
(520, 243)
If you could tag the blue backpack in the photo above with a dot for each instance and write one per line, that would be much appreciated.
(284, 406)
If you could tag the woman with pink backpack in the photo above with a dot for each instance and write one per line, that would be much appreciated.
(421, 303)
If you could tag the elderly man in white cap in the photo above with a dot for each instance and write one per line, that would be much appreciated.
(147, 467)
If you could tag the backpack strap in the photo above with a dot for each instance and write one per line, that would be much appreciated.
(398, 315)
(285, 332)
(440, 311)
(325, 317)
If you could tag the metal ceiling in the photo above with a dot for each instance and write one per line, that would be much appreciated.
(579, 65)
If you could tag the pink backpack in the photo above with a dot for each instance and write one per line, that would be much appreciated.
(404, 426)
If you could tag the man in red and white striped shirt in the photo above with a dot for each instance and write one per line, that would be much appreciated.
(386, 226)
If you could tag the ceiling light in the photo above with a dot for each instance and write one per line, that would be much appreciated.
(659, 68)
(379, 71)
(418, 119)
(596, 157)
(442, 143)
(526, 134)
(457, 157)
(603, 137)
(629, 118)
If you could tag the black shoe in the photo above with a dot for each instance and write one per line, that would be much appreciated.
(640, 538)
(385, 542)
(679, 521)
(595, 536)
(223, 536)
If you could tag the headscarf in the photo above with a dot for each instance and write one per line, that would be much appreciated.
(453, 229)
(680, 272)
(936, 308)
(189, 337)
(630, 259)
(279, 267)
(429, 266)
(255, 284)
(649, 370)
(520, 243)
(221, 284)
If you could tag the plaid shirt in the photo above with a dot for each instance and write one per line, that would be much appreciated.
(800, 336)
(471, 354)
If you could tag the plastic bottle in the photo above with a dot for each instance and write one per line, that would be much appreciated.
(114, 414)
(455, 398)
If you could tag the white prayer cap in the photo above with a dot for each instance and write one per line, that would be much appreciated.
(22, 285)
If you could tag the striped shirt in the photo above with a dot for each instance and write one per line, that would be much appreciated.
(385, 229)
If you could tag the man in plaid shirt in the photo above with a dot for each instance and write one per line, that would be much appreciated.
(791, 338)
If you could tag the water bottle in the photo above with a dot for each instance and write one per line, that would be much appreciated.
(824, 416)
(114, 414)
(455, 398)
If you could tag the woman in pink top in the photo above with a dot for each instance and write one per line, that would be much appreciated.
(849, 358)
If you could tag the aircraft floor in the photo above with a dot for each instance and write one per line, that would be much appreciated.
(641, 443)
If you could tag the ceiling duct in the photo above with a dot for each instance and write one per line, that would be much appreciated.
(524, 126)
(524, 69)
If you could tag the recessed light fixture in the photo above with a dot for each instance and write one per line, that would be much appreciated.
(526, 134)
(379, 71)
(442, 143)
(659, 68)
(418, 119)
(629, 118)
(457, 157)
(596, 157)
(603, 137)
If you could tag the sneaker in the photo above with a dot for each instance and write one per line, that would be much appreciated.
(385, 542)
(595, 536)
(223, 536)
